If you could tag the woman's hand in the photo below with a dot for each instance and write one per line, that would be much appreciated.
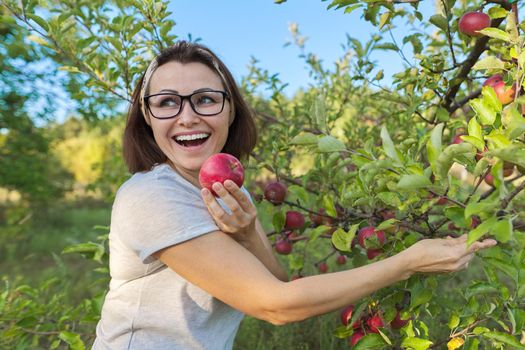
(241, 222)
(444, 255)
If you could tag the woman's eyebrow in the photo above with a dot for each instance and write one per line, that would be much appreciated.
(198, 90)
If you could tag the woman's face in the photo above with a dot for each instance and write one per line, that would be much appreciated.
(189, 138)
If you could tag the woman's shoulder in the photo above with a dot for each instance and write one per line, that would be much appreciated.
(160, 180)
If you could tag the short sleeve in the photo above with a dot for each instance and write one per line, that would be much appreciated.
(155, 214)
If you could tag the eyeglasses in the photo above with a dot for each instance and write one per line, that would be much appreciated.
(169, 105)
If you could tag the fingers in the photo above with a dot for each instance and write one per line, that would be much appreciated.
(214, 207)
(243, 212)
(487, 243)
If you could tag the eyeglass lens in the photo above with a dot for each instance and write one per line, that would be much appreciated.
(203, 103)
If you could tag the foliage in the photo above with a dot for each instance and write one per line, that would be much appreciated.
(367, 153)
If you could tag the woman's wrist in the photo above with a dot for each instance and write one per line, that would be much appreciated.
(408, 262)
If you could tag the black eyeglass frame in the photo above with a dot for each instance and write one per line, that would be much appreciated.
(225, 96)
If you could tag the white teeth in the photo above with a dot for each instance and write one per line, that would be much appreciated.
(191, 137)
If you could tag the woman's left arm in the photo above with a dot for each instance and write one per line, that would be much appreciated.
(242, 224)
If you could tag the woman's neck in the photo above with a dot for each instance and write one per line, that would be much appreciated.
(190, 176)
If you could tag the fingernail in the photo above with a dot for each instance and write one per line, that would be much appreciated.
(217, 186)
(205, 192)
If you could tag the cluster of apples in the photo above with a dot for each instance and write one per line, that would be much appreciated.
(470, 24)
(370, 322)
(275, 192)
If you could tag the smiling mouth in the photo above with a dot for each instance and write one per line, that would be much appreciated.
(191, 140)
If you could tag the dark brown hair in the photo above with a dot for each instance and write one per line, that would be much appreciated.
(141, 151)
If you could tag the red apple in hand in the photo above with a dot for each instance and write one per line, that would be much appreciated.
(219, 168)
(505, 95)
(275, 192)
(471, 22)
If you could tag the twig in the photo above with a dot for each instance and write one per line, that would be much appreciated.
(506, 201)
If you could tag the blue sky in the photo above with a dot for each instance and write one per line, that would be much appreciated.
(239, 29)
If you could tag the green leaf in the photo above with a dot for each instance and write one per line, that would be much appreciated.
(489, 62)
(453, 322)
(413, 182)
(439, 21)
(420, 295)
(480, 288)
(319, 112)
(278, 221)
(474, 141)
(497, 12)
(330, 144)
(513, 121)
(448, 157)
(474, 129)
(504, 338)
(305, 138)
(483, 111)
(475, 208)
(39, 20)
(343, 332)
(496, 34)
(491, 99)
(502, 230)
(73, 340)
(384, 19)
(512, 154)
(389, 198)
(342, 239)
(480, 230)
(386, 46)
(371, 341)
(414, 343)
(388, 145)
(434, 145)
(316, 232)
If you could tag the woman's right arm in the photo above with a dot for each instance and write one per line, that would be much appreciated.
(219, 265)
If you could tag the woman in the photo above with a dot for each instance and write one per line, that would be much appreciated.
(186, 267)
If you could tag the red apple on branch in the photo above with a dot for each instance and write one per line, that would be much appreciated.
(341, 260)
(323, 267)
(398, 322)
(367, 233)
(358, 334)
(373, 323)
(294, 220)
(346, 314)
(471, 22)
(219, 168)
(283, 246)
(505, 95)
(275, 192)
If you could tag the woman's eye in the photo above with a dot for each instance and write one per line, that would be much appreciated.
(203, 100)
(168, 102)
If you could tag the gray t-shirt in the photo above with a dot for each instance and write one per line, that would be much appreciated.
(149, 306)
